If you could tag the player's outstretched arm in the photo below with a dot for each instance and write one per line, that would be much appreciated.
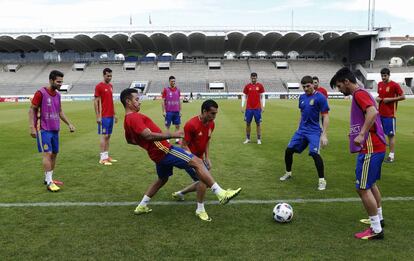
(153, 136)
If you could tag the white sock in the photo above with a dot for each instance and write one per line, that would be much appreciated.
(289, 172)
(48, 177)
(380, 213)
(102, 155)
(216, 188)
(321, 179)
(375, 223)
(391, 155)
(145, 200)
(200, 207)
(106, 154)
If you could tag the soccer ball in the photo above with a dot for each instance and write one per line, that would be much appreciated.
(283, 213)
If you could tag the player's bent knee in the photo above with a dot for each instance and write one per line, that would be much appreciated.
(163, 180)
(196, 162)
(314, 154)
(289, 151)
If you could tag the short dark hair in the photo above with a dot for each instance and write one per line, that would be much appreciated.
(106, 70)
(54, 74)
(253, 74)
(306, 79)
(126, 94)
(341, 75)
(206, 106)
(171, 77)
(315, 78)
(385, 71)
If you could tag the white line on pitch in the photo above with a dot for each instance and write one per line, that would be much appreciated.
(239, 202)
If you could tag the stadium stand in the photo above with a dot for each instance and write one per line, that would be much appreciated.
(191, 76)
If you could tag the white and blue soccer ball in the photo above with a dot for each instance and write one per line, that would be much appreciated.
(283, 213)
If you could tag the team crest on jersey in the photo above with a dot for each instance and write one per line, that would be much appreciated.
(257, 88)
(45, 147)
(200, 133)
(49, 101)
(388, 89)
(312, 102)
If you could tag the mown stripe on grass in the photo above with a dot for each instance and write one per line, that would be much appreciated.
(239, 202)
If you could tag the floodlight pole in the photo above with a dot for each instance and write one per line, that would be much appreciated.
(369, 14)
(373, 15)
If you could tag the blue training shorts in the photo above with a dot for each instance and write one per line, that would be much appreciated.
(301, 140)
(249, 114)
(389, 124)
(48, 141)
(172, 117)
(368, 169)
(106, 126)
(176, 157)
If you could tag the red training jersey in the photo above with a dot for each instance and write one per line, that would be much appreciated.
(323, 91)
(390, 89)
(104, 90)
(197, 135)
(134, 125)
(373, 142)
(253, 92)
(37, 98)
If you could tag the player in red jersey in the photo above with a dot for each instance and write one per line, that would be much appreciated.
(318, 87)
(389, 94)
(366, 138)
(197, 134)
(105, 115)
(254, 92)
(142, 131)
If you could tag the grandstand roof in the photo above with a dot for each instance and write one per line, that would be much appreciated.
(191, 41)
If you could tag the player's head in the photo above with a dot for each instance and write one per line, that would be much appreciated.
(209, 110)
(385, 74)
(56, 79)
(130, 99)
(253, 77)
(307, 84)
(107, 75)
(345, 81)
(315, 82)
(171, 79)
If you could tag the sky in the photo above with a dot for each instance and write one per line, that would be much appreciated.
(308, 14)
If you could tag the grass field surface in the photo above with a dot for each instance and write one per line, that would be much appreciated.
(319, 230)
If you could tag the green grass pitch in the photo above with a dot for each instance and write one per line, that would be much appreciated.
(237, 232)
